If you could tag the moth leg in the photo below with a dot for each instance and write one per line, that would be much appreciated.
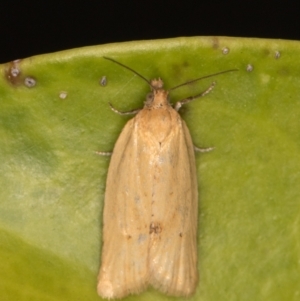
(203, 150)
(132, 112)
(120, 113)
(104, 153)
(179, 104)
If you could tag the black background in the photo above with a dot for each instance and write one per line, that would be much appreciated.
(34, 27)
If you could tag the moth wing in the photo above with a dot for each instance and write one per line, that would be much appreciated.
(126, 219)
(173, 250)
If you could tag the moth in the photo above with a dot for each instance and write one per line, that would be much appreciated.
(151, 201)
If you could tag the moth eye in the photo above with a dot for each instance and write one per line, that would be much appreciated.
(149, 97)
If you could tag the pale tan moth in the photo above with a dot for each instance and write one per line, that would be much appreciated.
(151, 202)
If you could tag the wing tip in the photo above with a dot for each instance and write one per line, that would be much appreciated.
(109, 290)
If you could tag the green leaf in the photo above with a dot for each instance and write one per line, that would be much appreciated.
(52, 182)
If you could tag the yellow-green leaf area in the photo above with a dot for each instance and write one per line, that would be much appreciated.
(54, 117)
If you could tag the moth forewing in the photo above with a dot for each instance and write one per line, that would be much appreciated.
(124, 262)
(173, 250)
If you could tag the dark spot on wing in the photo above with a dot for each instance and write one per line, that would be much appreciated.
(155, 227)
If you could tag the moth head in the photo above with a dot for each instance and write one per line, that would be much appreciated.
(158, 97)
(156, 84)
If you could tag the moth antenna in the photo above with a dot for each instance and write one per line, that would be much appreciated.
(126, 67)
(203, 77)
